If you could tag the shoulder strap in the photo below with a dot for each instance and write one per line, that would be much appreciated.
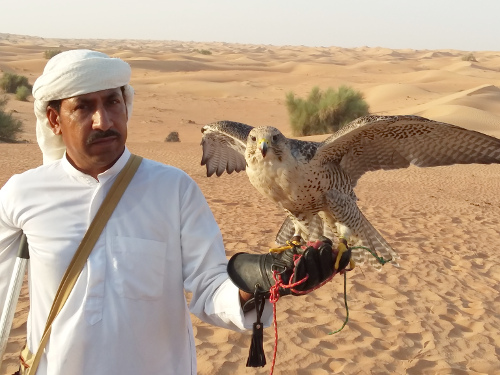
(85, 248)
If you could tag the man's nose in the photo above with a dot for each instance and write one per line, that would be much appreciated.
(101, 119)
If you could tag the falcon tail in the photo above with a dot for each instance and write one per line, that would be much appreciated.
(316, 229)
(285, 233)
(369, 237)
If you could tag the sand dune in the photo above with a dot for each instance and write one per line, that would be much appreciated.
(466, 117)
(396, 95)
(475, 109)
(438, 313)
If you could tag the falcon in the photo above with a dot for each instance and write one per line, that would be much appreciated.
(313, 182)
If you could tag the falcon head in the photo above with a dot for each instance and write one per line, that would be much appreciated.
(265, 141)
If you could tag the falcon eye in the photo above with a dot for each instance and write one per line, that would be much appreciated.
(253, 138)
(275, 138)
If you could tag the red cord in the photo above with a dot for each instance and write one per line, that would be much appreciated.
(275, 296)
(275, 324)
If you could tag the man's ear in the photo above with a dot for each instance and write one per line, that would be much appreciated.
(53, 117)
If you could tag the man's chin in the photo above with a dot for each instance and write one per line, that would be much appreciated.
(105, 153)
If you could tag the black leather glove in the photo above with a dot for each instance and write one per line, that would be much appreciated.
(298, 270)
(307, 266)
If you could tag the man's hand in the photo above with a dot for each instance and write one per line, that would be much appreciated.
(313, 266)
(244, 297)
(298, 270)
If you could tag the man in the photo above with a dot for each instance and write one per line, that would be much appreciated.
(127, 313)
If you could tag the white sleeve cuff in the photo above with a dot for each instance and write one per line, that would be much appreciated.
(227, 306)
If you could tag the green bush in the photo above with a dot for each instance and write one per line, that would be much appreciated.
(10, 82)
(50, 53)
(22, 93)
(204, 51)
(469, 57)
(324, 112)
(9, 126)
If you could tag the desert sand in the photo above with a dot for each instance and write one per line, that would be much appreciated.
(439, 313)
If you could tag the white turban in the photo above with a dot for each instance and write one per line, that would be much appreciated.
(69, 74)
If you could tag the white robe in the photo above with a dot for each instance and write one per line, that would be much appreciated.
(127, 313)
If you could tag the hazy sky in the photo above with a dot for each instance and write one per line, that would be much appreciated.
(420, 24)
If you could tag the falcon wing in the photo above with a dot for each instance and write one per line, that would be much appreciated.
(390, 142)
(224, 144)
(302, 151)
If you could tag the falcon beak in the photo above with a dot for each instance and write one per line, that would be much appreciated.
(263, 146)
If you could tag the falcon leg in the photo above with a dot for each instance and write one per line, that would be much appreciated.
(295, 241)
(342, 248)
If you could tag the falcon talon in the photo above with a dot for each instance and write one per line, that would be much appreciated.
(352, 264)
(342, 248)
(280, 249)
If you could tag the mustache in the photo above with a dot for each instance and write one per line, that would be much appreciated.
(98, 134)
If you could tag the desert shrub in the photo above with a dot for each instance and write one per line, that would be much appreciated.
(469, 57)
(9, 126)
(50, 53)
(22, 93)
(324, 112)
(10, 82)
(204, 51)
(173, 137)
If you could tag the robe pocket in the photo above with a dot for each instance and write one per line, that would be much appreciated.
(138, 267)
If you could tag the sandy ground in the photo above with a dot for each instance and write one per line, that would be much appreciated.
(438, 313)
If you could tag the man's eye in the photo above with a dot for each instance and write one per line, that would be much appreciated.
(81, 107)
(115, 101)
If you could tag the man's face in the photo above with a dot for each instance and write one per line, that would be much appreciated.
(93, 127)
